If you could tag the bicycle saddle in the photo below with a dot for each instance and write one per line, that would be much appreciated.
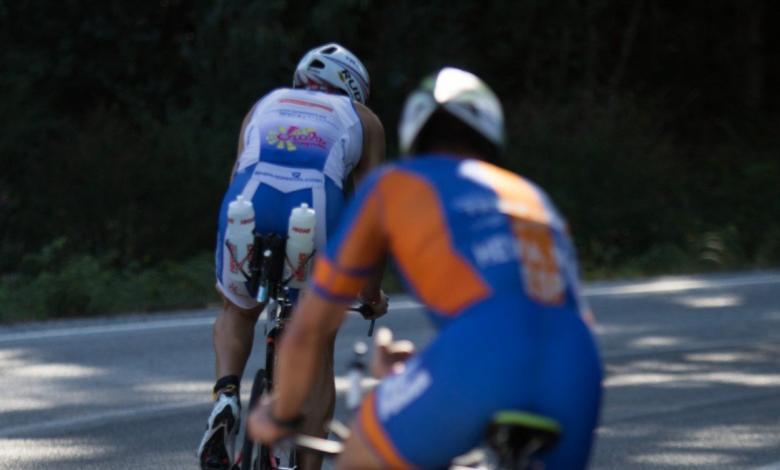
(519, 432)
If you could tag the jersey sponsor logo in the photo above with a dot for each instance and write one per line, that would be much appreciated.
(398, 391)
(350, 81)
(290, 138)
(295, 177)
(542, 275)
(498, 249)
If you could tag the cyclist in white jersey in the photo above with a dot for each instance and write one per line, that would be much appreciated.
(296, 145)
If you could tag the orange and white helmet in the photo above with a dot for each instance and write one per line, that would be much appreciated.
(332, 66)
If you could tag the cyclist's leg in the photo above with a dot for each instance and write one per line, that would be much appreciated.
(570, 390)
(233, 330)
(234, 326)
(439, 406)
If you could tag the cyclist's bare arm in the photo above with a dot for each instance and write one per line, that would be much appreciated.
(305, 342)
(373, 143)
(374, 148)
(241, 138)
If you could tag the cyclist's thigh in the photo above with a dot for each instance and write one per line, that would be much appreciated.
(272, 213)
(439, 407)
(570, 391)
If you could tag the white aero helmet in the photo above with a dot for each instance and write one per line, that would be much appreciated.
(333, 66)
(459, 93)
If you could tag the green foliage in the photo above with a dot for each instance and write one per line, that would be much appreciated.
(58, 283)
(652, 126)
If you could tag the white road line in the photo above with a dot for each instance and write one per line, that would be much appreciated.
(657, 286)
(177, 323)
(680, 284)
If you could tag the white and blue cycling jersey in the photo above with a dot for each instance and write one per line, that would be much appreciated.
(298, 146)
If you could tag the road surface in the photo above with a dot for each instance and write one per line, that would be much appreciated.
(693, 379)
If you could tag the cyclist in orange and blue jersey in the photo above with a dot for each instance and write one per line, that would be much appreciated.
(490, 258)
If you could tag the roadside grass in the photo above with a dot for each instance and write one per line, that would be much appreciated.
(52, 284)
(58, 284)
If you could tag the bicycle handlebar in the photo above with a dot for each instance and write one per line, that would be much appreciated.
(364, 310)
(319, 445)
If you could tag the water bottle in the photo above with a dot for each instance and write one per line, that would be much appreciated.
(300, 245)
(357, 370)
(239, 237)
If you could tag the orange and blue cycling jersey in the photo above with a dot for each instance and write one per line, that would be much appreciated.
(490, 259)
(460, 232)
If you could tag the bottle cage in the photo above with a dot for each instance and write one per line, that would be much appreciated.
(266, 266)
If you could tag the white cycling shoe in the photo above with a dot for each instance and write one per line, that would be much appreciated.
(217, 449)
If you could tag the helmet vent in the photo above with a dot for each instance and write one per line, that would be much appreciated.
(317, 64)
(329, 50)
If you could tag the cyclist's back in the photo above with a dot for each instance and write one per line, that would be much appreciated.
(489, 257)
(464, 232)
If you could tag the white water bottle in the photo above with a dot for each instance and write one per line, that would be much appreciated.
(240, 237)
(300, 245)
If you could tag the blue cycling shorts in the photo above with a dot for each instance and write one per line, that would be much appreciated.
(495, 357)
(272, 212)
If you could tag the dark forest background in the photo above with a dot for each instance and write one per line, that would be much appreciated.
(652, 123)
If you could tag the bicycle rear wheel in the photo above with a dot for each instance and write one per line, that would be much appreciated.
(249, 451)
(261, 457)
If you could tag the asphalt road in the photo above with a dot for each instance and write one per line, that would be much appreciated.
(693, 379)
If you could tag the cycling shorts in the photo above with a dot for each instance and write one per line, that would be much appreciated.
(488, 360)
(272, 212)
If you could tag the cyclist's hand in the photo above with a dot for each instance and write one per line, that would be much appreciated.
(260, 426)
(389, 356)
(378, 303)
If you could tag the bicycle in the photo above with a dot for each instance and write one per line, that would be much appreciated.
(267, 284)
(513, 440)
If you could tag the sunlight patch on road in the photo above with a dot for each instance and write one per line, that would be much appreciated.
(659, 366)
(709, 301)
(15, 364)
(55, 371)
(8, 355)
(731, 378)
(656, 341)
(627, 380)
(677, 459)
(680, 284)
(24, 403)
(728, 437)
(15, 452)
(202, 387)
(721, 357)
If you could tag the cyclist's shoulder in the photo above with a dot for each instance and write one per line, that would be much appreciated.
(517, 191)
(366, 115)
